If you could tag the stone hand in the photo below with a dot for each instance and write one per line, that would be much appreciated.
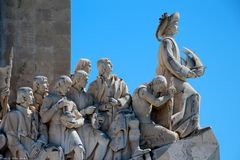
(90, 109)
(61, 103)
(23, 154)
(36, 149)
(113, 101)
(172, 91)
(191, 74)
(5, 93)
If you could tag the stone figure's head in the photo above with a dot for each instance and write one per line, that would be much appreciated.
(83, 64)
(168, 25)
(158, 84)
(80, 79)
(63, 85)
(104, 65)
(40, 85)
(25, 96)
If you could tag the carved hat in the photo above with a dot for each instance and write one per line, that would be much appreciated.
(165, 21)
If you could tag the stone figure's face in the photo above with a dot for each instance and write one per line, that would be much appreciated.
(175, 27)
(64, 88)
(43, 87)
(105, 67)
(108, 67)
(28, 99)
(83, 81)
(87, 68)
(159, 87)
(172, 28)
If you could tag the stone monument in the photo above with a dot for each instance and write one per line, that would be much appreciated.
(39, 32)
(160, 121)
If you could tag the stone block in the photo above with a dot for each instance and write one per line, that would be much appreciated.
(62, 27)
(44, 15)
(61, 41)
(44, 40)
(61, 15)
(44, 28)
(203, 146)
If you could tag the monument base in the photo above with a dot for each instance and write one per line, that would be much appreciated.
(202, 146)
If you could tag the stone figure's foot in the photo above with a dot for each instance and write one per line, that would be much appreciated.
(3, 140)
(199, 131)
(140, 151)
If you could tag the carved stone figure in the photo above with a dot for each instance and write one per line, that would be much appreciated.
(40, 90)
(145, 97)
(27, 136)
(83, 64)
(63, 118)
(94, 140)
(4, 90)
(185, 118)
(3, 143)
(111, 95)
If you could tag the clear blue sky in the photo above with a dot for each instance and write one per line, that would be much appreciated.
(124, 31)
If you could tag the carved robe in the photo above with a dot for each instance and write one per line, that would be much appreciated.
(87, 133)
(59, 135)
(24, 128)
(186, 101)
(152, 135)
(116, 118)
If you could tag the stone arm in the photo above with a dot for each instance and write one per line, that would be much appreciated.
(157, 102)
(79, 118)
(92, 92)
(173, 64)
(11, 125)
(48, 109)
(43, 138)
(125, 98)
(16, 148)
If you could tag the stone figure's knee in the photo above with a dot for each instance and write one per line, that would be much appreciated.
(79, 149)
(103, 139)
(134, 123)
(3, 140)
(198, 97)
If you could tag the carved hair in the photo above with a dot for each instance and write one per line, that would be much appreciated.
(62, 80)
(159, 79)
(79, 74)
(22, 93)
(82, 63)
(37, 80)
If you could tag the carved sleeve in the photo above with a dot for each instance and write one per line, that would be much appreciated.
(48, 109)
(172, 64)
(125, 97)
(157, 102)
(11, 129)
(43, 133)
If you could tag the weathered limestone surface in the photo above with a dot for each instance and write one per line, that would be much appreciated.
(39, 32)
(200, 147)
